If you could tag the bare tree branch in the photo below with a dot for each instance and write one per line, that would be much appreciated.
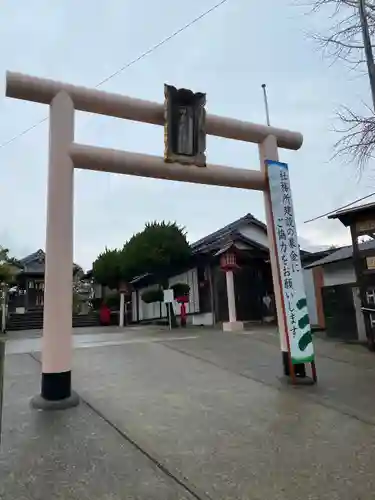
(343, 40)
(357, 137)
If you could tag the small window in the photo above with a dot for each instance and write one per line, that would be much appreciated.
(31, 284)
(370, 296)
(39, 300)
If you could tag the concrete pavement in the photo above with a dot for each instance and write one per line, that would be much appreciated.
(193, 414)
(71, 455)
(104, 336)
(346, 373)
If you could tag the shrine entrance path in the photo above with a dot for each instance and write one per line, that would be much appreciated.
(196, 413)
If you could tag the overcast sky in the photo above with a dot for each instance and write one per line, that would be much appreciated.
(228, 55)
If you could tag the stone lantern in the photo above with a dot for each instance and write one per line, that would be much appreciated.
(124, 290)
(228, 263)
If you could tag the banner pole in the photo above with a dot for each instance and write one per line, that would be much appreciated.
(313, 371)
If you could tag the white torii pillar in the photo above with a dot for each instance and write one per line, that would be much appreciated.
(58, 289)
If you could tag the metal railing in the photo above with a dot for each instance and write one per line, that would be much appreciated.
(368, 309)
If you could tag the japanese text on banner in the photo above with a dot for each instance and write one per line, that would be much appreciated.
(291, 275)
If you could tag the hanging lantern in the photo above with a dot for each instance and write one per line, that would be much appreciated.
(182, 299)
(228, 261)
(123, 288)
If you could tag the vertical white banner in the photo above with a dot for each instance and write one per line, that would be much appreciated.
(289, 263)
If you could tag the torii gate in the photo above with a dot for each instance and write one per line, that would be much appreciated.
(65, 155)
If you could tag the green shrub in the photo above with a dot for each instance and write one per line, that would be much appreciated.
(180, 289)
(113, 301)
(151, 296)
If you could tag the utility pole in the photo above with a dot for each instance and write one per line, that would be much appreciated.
(368, 48)
(266, 104)
(3, 307)
(2, 360)
(2, 352)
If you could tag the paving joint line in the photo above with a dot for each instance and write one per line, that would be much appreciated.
(183, 483)
(311, 397)
(339, 360)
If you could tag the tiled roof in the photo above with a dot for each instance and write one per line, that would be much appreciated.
(353, 210)
(342, 253)
(35, 262)
(225, 232)
(33, 257)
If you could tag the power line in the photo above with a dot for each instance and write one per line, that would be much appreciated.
(130, 63)
(162, 42)
(339, 208)
(9, 141)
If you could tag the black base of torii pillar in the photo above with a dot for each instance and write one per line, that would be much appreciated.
(56, 393)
